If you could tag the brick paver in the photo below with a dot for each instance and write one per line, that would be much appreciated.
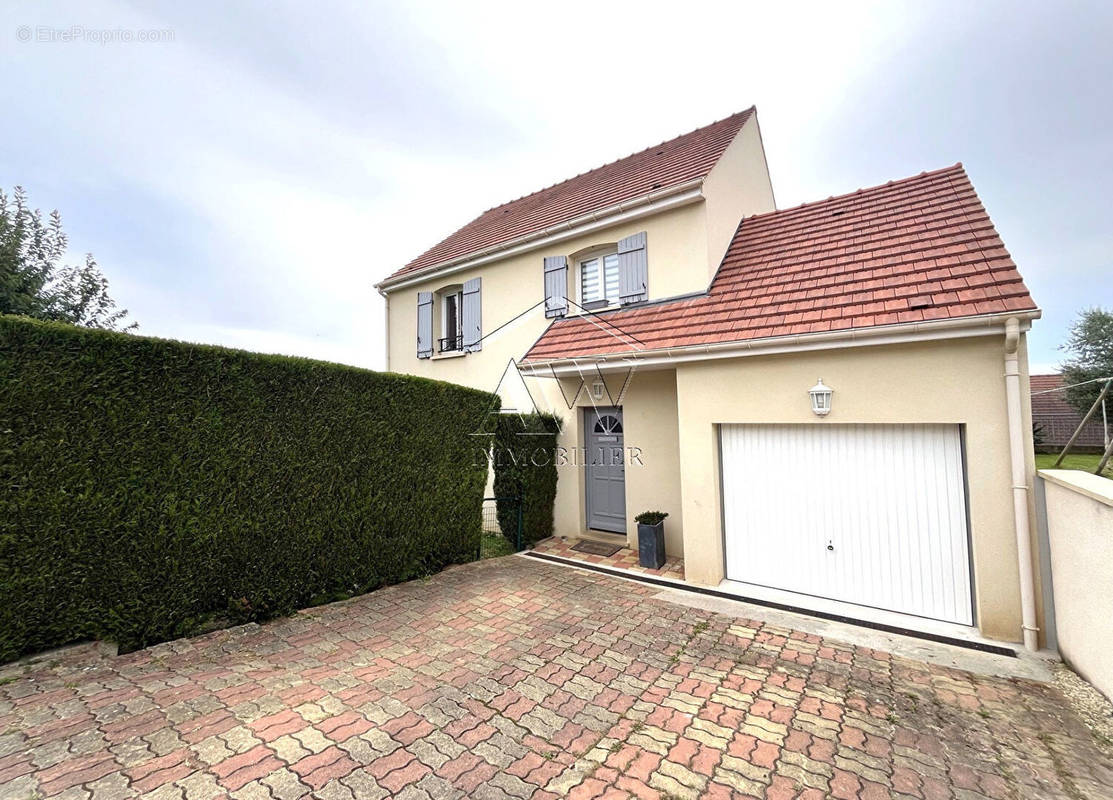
(514, 679)
(625, 559)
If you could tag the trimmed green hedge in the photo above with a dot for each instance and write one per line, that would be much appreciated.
(524, 455)
(148, 486)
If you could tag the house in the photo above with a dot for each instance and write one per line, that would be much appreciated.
(1056, 420)
(671, 314)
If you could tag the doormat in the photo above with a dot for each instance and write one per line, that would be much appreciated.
(596, 548)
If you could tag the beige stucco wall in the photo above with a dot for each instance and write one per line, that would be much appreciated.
(957, 381)
(671, 415)
(738, 186)
(677, 251)
(1080, 529)
(684, 247)
(650, 429)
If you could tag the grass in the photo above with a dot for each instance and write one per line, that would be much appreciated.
(1087, 462)
(493, 545)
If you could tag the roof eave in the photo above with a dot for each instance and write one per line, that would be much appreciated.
(635, 208)
(958, 327)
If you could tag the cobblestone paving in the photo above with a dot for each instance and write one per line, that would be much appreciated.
(513, 678)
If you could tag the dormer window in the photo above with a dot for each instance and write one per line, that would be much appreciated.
(599, 280)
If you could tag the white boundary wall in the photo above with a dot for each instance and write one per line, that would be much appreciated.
(1080, 531)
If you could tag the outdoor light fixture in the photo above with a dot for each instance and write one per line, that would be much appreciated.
(821, 399)
(597, 389)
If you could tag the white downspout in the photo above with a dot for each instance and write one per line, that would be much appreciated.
(1020, 484)
(386, 325)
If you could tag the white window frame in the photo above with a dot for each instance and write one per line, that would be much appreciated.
(582, 259)
(456, 291)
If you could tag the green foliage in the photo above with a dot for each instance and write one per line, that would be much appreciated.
(148, 486)
(524, 455)
(1090, 346)
(651, 517)
(494, 545)
(33, 283)
(1086, 462)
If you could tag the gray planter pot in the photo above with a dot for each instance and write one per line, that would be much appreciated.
(651, 545)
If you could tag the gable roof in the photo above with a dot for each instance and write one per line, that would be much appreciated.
(912, 250)
(677, 161)
(1050, 402)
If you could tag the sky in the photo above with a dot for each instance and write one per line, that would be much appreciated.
(244, 172)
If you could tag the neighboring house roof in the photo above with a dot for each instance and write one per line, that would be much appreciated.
(1057, 418)
(677, 161)
(912, 250)
(1052, 402)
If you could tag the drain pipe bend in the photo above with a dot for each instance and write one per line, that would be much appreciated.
(1020, 484)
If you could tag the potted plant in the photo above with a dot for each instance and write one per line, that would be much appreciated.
(651, 538)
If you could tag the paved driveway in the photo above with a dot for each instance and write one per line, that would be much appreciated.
(513, 678)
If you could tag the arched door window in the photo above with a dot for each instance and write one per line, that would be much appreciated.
(608, 424)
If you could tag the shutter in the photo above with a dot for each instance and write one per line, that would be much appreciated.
(633, 269)
(556, 286)
(472, 317)
(424, 324)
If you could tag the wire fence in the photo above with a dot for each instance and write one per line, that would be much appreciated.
(500, 539)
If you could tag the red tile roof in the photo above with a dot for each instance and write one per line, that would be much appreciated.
(670, 163)
(1051, 402)
(1057, 418)
(918, 249)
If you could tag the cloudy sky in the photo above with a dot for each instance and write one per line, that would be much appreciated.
(246, 177)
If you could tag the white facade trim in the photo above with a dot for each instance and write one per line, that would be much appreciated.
(681, 194)
(985, 325)
(1018, 456)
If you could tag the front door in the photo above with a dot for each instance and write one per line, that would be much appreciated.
(605, 470)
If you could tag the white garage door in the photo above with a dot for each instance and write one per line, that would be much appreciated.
(868, 514)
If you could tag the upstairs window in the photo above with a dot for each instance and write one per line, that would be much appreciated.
(450, 320)
(599, 280)
(452, 335)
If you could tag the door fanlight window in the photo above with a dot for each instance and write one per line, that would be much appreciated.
(608, 423)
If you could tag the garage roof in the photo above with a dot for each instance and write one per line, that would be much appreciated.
(918, 249)
(656, 168)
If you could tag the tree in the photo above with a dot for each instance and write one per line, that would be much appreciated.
(34, 282)
(1090, 346)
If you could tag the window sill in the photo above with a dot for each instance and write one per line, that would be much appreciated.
(589, 309)
(450, 354)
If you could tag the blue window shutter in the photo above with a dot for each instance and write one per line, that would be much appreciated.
(633, 269)
(424, 324)
(472, 317)
(556, 286)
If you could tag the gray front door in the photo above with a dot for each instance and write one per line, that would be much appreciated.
(606, 470)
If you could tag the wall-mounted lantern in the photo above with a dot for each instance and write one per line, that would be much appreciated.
(821, 398)
(597, 389)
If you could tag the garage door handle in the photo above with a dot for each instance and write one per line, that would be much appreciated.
(830, 546)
